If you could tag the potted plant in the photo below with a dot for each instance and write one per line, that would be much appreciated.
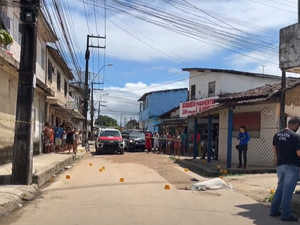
(5, 37)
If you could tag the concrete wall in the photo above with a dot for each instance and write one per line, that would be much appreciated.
(259, 149)
(8, 98)
(237, 83)
(289, 48)
(292, 102)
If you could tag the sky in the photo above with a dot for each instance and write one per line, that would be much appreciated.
(228, 34)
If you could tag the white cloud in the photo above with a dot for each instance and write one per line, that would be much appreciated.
(122, 45)
(125, 100)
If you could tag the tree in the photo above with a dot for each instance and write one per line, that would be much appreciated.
(5, 37)
(106, 121)
(132, 124)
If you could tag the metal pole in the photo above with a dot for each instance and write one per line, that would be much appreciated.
(298, 11)
(282, 103)
(86, 89)
(92, 108)
(23, 149)
(99, 114)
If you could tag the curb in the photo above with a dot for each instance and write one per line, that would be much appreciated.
(44, 175)
(197, 168)
(204, 170)
(13, 197)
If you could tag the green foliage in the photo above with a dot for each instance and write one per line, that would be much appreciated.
(132, 124)
(5, 37)
(106, 121)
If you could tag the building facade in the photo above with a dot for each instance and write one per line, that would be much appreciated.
(10, 21)
(9, 67)
(153, 104)
(259, 110)
(207, 84)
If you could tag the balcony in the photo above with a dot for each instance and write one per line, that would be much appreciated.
(71, 104)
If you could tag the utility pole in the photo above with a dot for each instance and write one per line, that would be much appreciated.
(99, 111)
(125, 120)
(86, 81)
(92, 103)
(23, 149)
(121, 120)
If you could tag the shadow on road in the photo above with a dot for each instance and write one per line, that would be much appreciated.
(258, 213)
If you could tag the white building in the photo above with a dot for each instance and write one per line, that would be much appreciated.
(205, 85)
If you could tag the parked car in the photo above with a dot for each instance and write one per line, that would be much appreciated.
(109, 140)
(134, 140)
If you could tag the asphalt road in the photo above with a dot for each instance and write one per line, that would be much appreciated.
(91, 197)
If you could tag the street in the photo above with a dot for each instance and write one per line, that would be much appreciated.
(91, 197)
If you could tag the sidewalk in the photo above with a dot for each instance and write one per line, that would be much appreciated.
(255, 182)
(213, 169)
(44, 168)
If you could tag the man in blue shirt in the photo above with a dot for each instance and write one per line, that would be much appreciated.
(58, 134)
(243, 138)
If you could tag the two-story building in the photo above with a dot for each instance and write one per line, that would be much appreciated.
(155, 103)
(9, 81)
(46, 92)
(207, 84)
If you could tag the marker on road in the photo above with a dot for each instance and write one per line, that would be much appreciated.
(186, 170)
(103, 167)
(167, 187)
(100, 170)
(91, 164)
(68, 177)
(121, 180)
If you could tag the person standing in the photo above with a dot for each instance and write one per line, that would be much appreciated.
(243, 138)
(156, 141)
(177, 144)
(70, 137)
(58, 138)
(47, 135)
(148, 144)
(286, 146)
(183, 142)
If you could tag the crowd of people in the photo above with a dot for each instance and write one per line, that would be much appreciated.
(171, 144)
(64, 138)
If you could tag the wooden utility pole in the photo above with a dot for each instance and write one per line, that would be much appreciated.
(23, 150)
(86, 82)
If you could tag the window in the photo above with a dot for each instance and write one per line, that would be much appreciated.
(50, 70)
(110, 133)
(193, 92)
(212, 89)
(66, 88)
(58, 80)
(42, 58)
(16, 30)
(251, 120)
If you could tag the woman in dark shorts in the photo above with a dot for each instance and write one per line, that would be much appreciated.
(70, 137)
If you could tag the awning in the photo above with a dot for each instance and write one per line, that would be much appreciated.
(67, 114)
(172, 121)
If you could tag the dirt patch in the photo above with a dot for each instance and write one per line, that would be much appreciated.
(163, 165)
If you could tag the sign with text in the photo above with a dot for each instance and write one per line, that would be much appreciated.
(196, 106)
